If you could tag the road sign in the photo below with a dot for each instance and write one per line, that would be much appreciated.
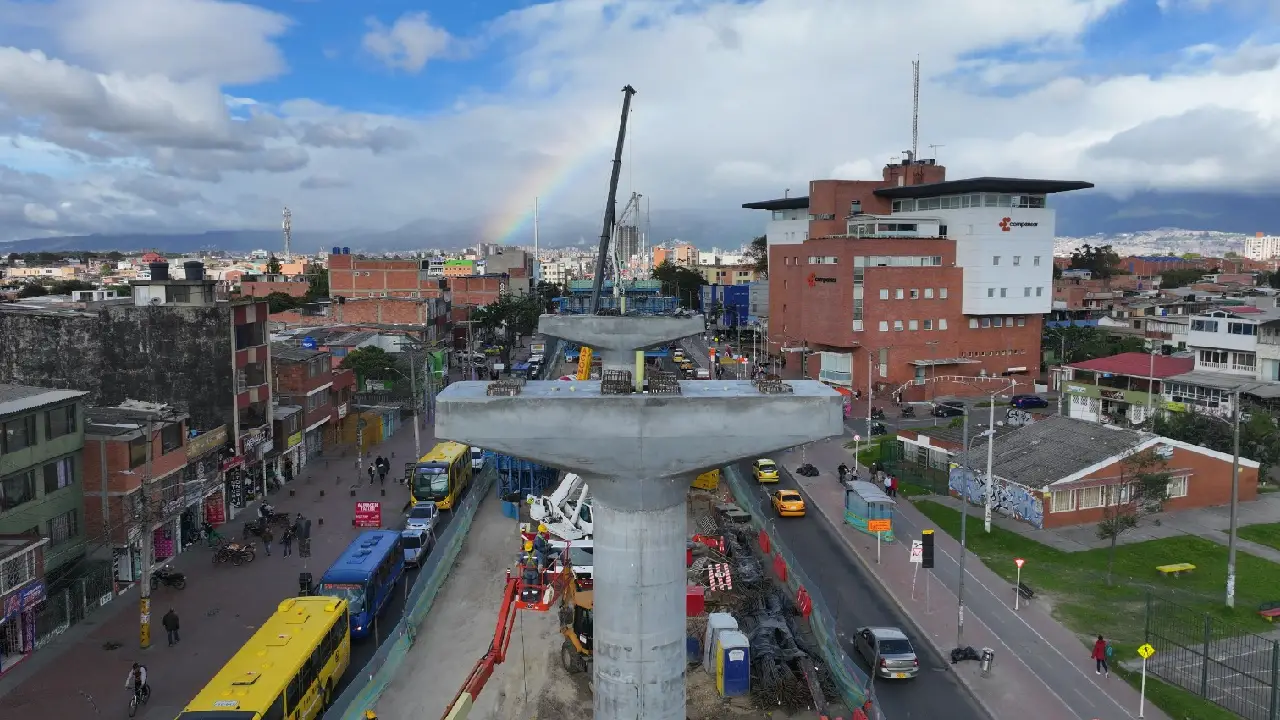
(1146, 651)
(857, 438)
(1019, 562)
(368, 515)
(879, 526)
(917, 551)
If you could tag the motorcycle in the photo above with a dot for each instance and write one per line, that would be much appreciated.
(877, 414)
(168, 577)
(235, 553)
(908, 411)
(255, 528)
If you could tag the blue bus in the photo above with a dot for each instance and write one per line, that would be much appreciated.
(365, 575)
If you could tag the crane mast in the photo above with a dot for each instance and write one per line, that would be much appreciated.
(610, 208)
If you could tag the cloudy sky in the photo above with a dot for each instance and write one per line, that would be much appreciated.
(155, 115)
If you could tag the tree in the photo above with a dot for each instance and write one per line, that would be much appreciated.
(278, 302)
(318, 285)
(125, 290)
(1259, 434)
(1101, 261)
(106, 268)
(370, 363)
(1231, 254)
(66, 287)
(1141, 490)
(273, 266)
(548, 292)
(1182, 277)
(31, 290)
(682, 282)
(758, 253)
(1077, 343)
(509, 318)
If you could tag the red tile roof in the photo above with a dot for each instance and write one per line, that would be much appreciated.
(1136, 364)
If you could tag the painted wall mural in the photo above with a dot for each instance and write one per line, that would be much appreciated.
(1009, 499)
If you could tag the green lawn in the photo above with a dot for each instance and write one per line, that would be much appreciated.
(1076, 582)
(1266, 534)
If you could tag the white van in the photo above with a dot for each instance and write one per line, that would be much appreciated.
(477, 458)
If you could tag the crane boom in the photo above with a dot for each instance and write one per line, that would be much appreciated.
(610, 208)
(483, 670)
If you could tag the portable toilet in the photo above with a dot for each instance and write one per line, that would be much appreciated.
(716, 623)
(733, 664)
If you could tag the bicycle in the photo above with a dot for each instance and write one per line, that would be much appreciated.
(138, 697)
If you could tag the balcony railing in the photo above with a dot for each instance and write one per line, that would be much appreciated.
(1234, 367)
(836, 377)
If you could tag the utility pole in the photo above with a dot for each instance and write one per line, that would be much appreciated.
(413, 390)
(148, 553)
(1235, 501)
(964, 522)
(989, 484)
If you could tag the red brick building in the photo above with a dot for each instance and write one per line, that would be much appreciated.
(353, 277)
(303, 380)
(901, 282)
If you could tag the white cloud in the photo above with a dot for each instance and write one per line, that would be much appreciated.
(737, 102)
(408, 43)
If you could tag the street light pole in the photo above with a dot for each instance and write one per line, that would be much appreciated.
(964, 518)
(1235, 501)
(988, 485)
(413, 392)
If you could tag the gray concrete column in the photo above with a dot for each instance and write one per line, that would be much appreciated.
(617, 359)
(639, 529)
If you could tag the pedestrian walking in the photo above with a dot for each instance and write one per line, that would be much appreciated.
(893, 488)
(267, 537)
(370, 469)
(888, 485)
(382, 474)
(170, 622)
(286, 542)
(1101, 649)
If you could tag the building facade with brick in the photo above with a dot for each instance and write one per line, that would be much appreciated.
(304, 379)
(900, 283)
(354, 277)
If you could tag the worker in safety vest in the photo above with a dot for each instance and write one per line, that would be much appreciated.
(542, 549)
(529, 573)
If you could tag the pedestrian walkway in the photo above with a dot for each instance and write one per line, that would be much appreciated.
(1040, 668)
(81, 674)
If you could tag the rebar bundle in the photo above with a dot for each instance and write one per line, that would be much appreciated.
(773, 386)
(617, 382)
(663, 383)
(506, 387)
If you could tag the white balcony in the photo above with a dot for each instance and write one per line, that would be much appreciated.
(835, 377)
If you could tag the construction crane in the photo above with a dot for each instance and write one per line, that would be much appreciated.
(610, 208)
(515, 596)
(629, 212)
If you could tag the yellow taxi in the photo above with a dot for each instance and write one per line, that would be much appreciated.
(788, 503)
(765, 470)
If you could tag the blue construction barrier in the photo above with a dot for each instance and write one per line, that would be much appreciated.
(518, 479)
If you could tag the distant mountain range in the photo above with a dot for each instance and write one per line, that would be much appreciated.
(1096, 216)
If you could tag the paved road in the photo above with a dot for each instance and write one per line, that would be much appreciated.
(82, 673)
(857, 600)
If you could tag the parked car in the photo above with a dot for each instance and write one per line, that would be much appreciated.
(887, 650)
(788, 503)
(1027, 402)
(948, 408)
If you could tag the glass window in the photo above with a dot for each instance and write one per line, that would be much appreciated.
(973, 323)
(1039, 291)
(1017, 260)
(276, 711)
(64, 528)
(1090, 497)
(1178, 487)
(1063, 501)
(1026, 292)
(986, 322)
(1204, 326)
(17, 489)
(19, 433)
(884, 294)
(884, 326)
(59, 474)
(991, 292)
(1004, 292)
(1022, 322)
(137, 452)
(898, 294)
(942, 293)
(897, 325)
(928, 324)
(997, 322)
(928, 293)
(915, 294)
(995, 259)
(60, 421)
(942, 324)
(913, 325)
(1036, 261)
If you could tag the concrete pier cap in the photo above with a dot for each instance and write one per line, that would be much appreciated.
(615, 338)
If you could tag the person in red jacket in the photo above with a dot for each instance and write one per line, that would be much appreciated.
(1100, 657)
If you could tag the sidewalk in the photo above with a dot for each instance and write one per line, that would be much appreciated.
(82, 672)
(1040, 666)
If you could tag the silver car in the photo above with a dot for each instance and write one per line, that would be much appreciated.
(888, 650)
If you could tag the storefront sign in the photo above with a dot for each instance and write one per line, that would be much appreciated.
(252, 439)
(214, 512)
(368, 515)
(202, 444)
(342, 411)
(295, 438)
(1112, 394)
(12, 605)
(33, 595)
(236, 483)
(232, 463)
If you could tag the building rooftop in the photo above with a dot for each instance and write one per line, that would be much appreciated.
(982, 184)
(789, 203)
(21, 398)
(293, 353)
(1136, 364)
(1226, 381)
(1039, 454)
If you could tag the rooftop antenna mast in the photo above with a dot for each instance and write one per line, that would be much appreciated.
(287, 225)
(610, 208)
(915, 108)
(933, 150)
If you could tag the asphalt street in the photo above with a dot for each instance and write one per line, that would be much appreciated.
(858, 600)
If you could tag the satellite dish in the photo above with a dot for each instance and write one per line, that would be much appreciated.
(157, 301)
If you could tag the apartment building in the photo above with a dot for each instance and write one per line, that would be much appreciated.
(1262, 247)
(353, 277)
(303, 380)
(41, 487)
(1120, 389)
(912, 277)
(1236, 348)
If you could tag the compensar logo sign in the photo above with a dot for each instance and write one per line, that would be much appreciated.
(813, 279)
(1006, 224)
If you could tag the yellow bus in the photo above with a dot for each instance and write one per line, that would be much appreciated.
(442, 475)
(288, 669)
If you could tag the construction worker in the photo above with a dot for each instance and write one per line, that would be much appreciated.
(542, 548)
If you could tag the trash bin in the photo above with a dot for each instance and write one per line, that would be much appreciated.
(988, 656)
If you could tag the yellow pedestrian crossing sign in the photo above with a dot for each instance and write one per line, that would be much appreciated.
(1146, 651)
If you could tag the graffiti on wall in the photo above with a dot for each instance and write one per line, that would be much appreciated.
(1017, 417)
(1008, 499)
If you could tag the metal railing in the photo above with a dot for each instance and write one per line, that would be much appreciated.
(1217, 660)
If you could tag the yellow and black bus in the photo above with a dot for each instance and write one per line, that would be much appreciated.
(288, 669)
(442, 475)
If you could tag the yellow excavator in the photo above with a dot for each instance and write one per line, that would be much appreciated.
(576, 627)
